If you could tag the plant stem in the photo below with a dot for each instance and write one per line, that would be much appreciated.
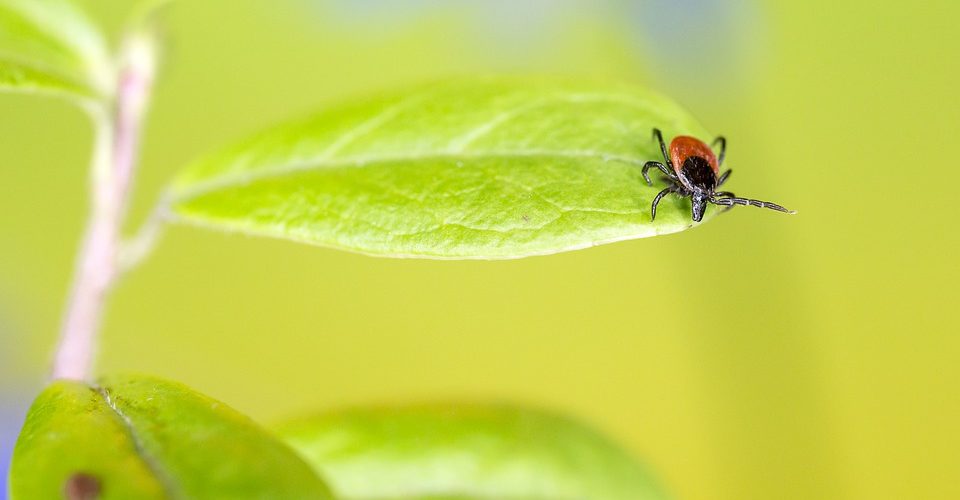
(94, 268)
(116, 144)
(138, 247)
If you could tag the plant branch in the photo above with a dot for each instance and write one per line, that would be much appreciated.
(135, 249)
(114, 162)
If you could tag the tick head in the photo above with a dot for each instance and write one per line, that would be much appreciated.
(698, 204)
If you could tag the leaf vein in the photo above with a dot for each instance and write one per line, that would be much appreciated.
(235, 179)
(369, 125)
(460, 144)
(165, 480)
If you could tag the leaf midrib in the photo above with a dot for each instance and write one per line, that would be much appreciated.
(153, 465)
(236, 179)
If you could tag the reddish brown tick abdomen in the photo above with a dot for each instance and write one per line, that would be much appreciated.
(683, 147)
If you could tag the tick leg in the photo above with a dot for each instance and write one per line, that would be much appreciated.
(754, 203)
(663, 147)
(656, 201)
(723, 148)
(655, 164)
(727, 194)
(723, 177)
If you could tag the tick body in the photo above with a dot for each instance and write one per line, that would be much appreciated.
(694, 172)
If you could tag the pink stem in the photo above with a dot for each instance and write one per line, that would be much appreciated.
(94, 271)
(114, 162)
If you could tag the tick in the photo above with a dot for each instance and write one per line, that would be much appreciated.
(694, 172)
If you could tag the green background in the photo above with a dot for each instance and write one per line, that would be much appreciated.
(758, 356)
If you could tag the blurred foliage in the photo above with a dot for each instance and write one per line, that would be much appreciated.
(804, 357)
(473, 451)
(51, 46)
(143, 437)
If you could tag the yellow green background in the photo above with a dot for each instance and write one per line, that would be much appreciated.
(759, 356)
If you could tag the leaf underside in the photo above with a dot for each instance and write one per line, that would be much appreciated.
(492, 168)
(468, 452)
(51, 47)
(22, 78)
(138, 437)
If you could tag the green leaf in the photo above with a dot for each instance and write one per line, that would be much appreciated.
(138, 437)
(51, 46)
(23, 78)
(466, 452)
(470, 169)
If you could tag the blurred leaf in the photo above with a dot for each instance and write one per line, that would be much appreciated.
(51, 46)
(466, 452)
(481, 169)
(137, 437)
(22, 78)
